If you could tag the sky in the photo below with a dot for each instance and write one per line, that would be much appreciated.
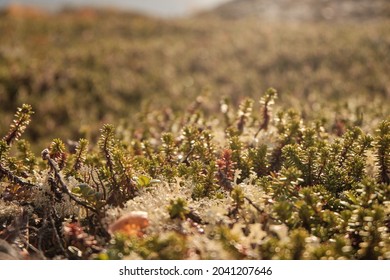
(155, 7)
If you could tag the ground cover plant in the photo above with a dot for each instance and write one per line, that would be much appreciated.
(125, 137)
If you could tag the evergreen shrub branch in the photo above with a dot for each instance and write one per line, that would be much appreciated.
(281, 195)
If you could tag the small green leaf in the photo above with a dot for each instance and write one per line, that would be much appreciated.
(145, 181)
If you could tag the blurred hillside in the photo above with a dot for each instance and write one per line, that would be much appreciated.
(82, 68)
(188, 152)
(304, 10)
(165, 8)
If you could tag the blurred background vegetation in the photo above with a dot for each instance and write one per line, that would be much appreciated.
(81, 68)
(179, 150)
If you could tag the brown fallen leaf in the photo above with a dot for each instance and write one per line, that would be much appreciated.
(132, 224)
(8, 252)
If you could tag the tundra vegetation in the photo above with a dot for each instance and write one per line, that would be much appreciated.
(128, 137)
